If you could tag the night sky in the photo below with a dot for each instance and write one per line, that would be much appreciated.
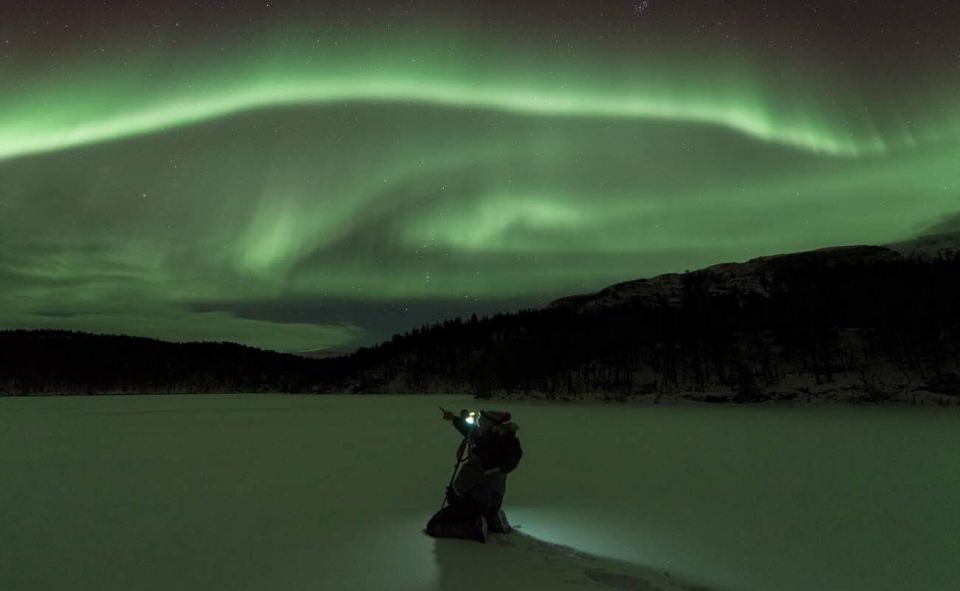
(297, 175)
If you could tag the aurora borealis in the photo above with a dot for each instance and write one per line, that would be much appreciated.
(320, 175)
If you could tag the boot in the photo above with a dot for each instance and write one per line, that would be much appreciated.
(480, 526)
(451, 526)
(497, 523)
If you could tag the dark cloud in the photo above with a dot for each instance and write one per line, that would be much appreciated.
(57, 313)
(380, 319)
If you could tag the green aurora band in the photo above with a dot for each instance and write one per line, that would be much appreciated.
(138, 97)
(416, 176)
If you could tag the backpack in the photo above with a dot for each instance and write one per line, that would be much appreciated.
(500, 451)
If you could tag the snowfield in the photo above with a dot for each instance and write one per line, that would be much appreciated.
(271, 492)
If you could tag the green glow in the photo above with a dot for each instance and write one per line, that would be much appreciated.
(186, 111)
(492, 220)
(417, 175)
(141, 98)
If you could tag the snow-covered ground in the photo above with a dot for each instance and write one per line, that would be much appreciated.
(325, 493)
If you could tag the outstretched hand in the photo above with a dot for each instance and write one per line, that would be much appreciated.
(447, 415)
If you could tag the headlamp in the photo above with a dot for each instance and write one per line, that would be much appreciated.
(471, 418)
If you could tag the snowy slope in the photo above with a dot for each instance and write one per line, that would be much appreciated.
(330, 493)
(933, 245)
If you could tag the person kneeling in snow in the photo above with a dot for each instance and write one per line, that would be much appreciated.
(474, 499)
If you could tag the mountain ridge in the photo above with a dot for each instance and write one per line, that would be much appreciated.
(873, 323)
(867, 320)
(665, 288)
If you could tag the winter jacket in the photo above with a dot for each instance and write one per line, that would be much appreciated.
(483, 476)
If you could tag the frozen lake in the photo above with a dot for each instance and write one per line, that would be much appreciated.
(298, 492)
